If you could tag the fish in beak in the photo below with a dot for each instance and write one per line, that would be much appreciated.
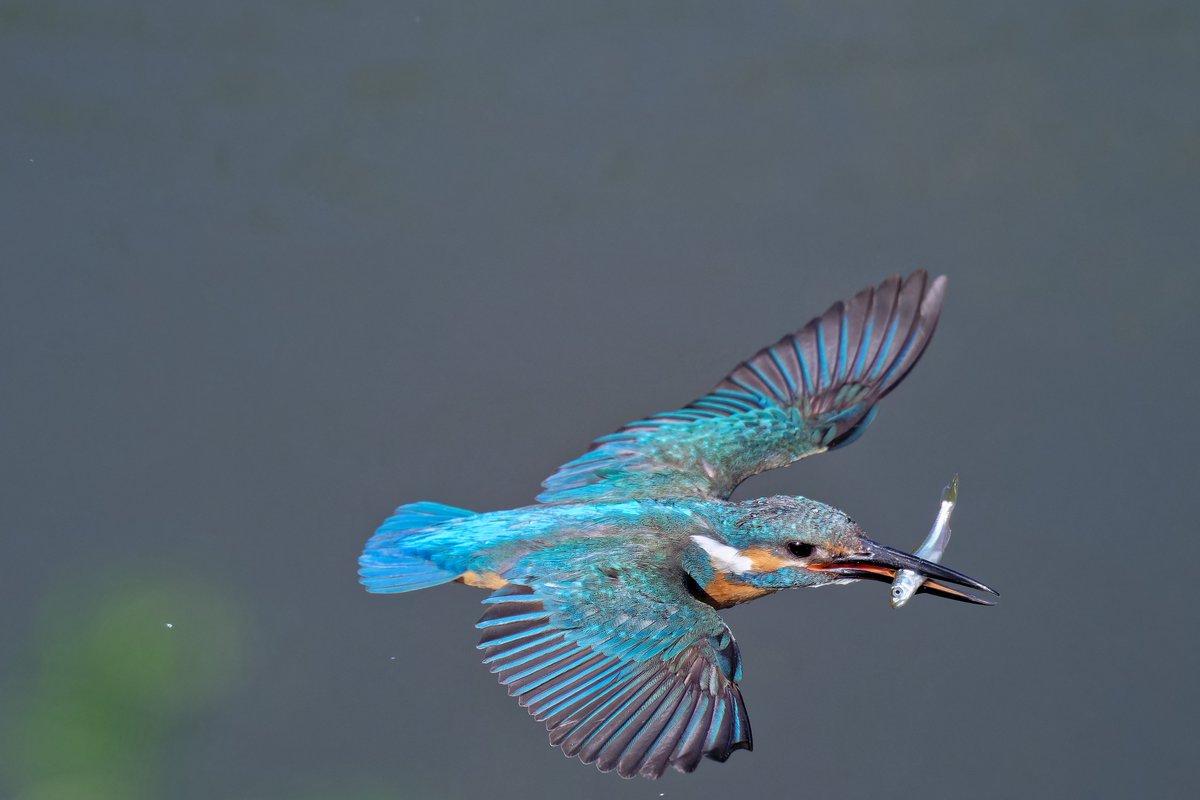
(874, 561)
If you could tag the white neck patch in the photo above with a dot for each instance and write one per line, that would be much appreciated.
(723, 557)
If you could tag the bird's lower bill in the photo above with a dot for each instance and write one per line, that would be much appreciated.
(880, 563)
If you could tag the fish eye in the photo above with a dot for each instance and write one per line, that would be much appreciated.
(897, 591)
(800, 549)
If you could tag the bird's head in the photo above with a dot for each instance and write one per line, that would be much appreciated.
(782, 542)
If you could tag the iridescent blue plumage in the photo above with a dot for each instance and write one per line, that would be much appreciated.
(602, 622)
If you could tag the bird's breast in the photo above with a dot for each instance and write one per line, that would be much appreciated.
(725, 593)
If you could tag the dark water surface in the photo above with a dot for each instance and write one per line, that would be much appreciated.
(269, 269)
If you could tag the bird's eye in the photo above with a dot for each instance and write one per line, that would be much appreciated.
(800, 549)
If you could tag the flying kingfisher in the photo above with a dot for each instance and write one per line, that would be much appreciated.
(602, 619)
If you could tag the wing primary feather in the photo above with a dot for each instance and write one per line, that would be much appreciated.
(881, 316)
(601, 712)
(804, 375)
(719, 404)
(514, 674)
(922, 332)
(689, 750)
(716, 744)
(747, 388)
(772, 389)
(843, 335)
(551, 671)
(511, 659)
(783, 371)
(742, 738)
(516, 636)
(569, 720)
(884, 347)
(659, 754)
(610, 741)
(597, 710)
(822, 366)
(807, 340)
(488, 623)
(596, 741)
(748, 402)
(830, 341)
(909, 343)
(498, 652)
(551, 702)
(906, 303)
(861, 307)
(586, 680)
(626, 749)
(633, 756)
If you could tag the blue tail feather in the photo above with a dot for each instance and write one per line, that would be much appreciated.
(386, 567)
(418, 516)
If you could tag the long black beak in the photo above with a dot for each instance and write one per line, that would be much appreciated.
(875, 561)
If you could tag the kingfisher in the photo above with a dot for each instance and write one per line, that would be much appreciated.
(602, 619)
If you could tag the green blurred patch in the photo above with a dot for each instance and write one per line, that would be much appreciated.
(115, 671)
(117, 668)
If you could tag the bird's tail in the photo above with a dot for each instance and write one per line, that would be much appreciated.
(387, 565)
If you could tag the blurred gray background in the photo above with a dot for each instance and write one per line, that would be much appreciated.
(273, 268)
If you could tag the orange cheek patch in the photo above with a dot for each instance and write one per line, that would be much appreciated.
(766, 561)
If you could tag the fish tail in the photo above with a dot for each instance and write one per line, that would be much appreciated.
(388, 564)
(950, 493)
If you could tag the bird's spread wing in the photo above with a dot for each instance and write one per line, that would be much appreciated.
(811, 391)
(626, 669)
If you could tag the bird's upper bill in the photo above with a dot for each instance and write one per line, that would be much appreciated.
(874, 561)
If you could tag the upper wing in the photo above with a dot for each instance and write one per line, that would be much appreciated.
(625, 668)
(811, 391)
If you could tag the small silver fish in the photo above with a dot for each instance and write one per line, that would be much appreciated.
(907, 582)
